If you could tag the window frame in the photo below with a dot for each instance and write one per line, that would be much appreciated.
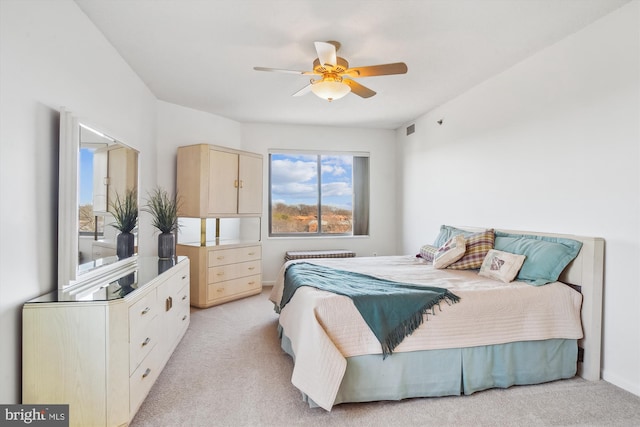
(319, 154)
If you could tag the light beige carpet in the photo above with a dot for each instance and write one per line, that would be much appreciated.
(229, 370)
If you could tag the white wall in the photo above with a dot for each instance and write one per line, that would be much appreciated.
(551, 144)
(51, 55)
(179, 126)
(380, 144)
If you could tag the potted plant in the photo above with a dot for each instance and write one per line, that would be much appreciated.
(164, 213)
(125, 213)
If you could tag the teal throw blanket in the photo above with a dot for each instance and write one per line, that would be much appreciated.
(392, 310)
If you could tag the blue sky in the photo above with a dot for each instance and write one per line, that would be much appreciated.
(85, 190)
(294, 180)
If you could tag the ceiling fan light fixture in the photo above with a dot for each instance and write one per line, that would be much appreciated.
(330, 89)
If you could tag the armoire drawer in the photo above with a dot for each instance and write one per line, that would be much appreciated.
(233, 255)
(233, 271)
(233, 287)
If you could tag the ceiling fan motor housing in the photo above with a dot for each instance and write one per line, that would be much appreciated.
(341, 66)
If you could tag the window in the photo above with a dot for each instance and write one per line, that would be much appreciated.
(318, 194)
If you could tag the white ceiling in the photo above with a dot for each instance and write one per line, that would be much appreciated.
(201, 53)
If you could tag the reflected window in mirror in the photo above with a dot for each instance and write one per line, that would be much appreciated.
(91, 221)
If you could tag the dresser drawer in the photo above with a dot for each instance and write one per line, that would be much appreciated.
(234, 255)
(183, 310)
(143, 377)
(141, 314)
(233, 271)
(143, 329)
(229, 288)
(142, 343)
(178, 281)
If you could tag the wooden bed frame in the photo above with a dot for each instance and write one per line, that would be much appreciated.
(585, 273)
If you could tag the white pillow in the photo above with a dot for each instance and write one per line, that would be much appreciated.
(452, 250)
(503, 266)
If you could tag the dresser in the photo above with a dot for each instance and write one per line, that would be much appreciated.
(100, 348)
(223, 272)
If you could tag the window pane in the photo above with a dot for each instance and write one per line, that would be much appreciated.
(337, 194)
(294, 193)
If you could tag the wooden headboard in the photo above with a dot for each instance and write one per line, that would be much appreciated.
(585, 272)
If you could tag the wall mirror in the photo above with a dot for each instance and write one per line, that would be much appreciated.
(94, 168)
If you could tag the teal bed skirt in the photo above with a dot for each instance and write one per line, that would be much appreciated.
(452, 372)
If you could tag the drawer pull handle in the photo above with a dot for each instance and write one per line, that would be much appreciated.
(251, 253)
(221, 257)
(145, 311)
(184, 297)
(184, 317)
(252, 268)
(184, 277)
(220, 273)
(147, 341)
(146, 373)
(220, 290)
(235, 183)
(251, 282)
(168, 304)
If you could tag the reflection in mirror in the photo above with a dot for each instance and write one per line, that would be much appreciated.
(94, 169)
(108, 169)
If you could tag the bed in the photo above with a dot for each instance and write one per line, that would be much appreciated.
(499, 333)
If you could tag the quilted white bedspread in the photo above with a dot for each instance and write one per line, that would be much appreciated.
(326, 328)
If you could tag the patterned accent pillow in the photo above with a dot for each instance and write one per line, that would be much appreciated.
(428, 253)
(452, 250)
(503, 266)
(477, 244)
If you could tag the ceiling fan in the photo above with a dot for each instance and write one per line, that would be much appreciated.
(336, 78)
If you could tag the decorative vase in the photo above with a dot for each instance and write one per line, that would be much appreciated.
(166, 246)
(126, 284)
(165, 264)
(124, 245)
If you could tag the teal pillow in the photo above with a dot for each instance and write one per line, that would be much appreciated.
(447, 232)
(546, 257)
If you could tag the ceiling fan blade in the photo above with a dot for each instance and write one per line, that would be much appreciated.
(335, 43)
(280, 70)
(326, 53)
(377, 70)
(305, 90)
(358, 89)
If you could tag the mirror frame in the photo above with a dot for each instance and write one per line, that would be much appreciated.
(68, 186)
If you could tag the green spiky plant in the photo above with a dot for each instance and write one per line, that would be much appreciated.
(163, 210)
(125, 211)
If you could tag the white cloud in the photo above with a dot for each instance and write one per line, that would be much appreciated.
(285, 171)
(295, 189)
(336, 189)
